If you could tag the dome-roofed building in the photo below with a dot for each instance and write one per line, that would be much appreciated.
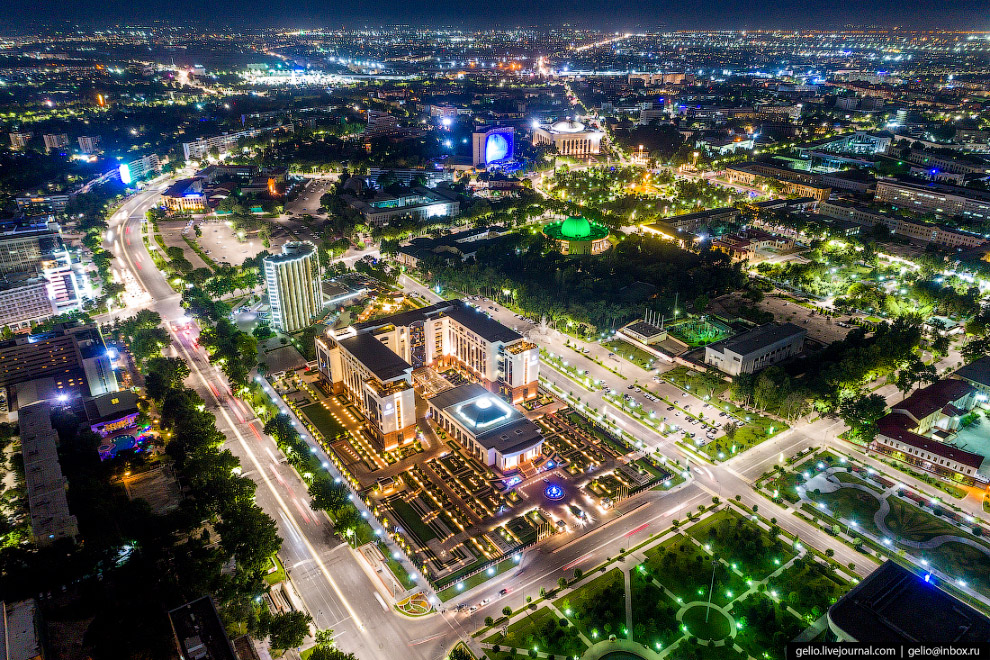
(578, 236)
(570, 137)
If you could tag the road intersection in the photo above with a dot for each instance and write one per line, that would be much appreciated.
(338, 586)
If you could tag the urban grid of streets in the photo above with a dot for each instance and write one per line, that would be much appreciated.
(341, 591)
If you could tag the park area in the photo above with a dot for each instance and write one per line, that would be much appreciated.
(764, 592)
(880, 520)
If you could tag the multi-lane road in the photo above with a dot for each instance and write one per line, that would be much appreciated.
(341, 591)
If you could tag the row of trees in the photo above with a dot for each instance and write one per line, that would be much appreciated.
(599, 291)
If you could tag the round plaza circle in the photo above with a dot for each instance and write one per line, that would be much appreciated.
(718, 626)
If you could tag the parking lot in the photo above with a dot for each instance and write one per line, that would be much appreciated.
(220, 243)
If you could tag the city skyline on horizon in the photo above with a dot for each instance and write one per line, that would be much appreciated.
(956, 15)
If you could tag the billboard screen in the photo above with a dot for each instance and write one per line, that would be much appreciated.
(125, 174)
(498, 147)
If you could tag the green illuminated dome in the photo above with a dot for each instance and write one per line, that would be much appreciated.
(575, 228)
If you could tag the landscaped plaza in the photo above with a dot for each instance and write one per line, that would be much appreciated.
(724, 583)
(882, 518)
(460, 522)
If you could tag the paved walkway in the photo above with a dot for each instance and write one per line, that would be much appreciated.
(826, 482)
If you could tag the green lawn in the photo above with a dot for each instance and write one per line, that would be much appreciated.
(598, 607)
(706, 624)
(476, 579)
(910, 522)
(632, 353)
(411, 521)
(540, 629)
(749, 434)
(686, 570)
(768, 627)
(654, 613)
(695, 381)
(810, 587)
(321, 418)
(278, 575)
(393, 565)
(743, 543)
(851, 504)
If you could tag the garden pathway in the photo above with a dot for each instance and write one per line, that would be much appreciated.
(825, 482)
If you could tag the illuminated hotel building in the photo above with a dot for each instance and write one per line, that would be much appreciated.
(293, 282)
(372, 362)
(570, 138)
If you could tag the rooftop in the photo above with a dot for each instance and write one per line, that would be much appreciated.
(933, 398)
(494, 423)
(894, 606)
(757, 338)
(977, 371)
(375, 355)
(575, 229)
(898, 426)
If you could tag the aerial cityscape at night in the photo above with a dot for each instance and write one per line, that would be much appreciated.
(361, 335)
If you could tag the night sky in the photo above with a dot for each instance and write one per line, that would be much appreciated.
(614, 14)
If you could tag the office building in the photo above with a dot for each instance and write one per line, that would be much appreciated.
(55, 141)
(569, 138)
(407, 177)
(492, 145)
(938, 198)
(293, 282)
(24, 300)
(791, 182)
(938, 163)
(894, 606)
(676, 226)
(200, 149)
(363, 367)
(89, 144)
(138, 169)
(36, 203)
(917, 230)
(72, 356)
(199, 633)
(922, 430)
(24, 247)
(19, 140)
(46, 488)
(185, 196)
(418, 204)
(493, 431)
(756, 349)
(20, 631)
(977, 374)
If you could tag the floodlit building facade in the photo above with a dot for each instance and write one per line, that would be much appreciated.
(293, 282)
(570, 138)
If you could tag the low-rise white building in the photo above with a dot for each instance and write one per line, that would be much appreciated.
(492, 430)
(756, 349)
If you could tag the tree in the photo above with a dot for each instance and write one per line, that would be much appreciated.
(324, 637)
(700, 303)
(286, 630)
(163, 374)
(330, 653)
(460, 653)
(506, 611)
(860, 413)
(326, 493)
(730, 430)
